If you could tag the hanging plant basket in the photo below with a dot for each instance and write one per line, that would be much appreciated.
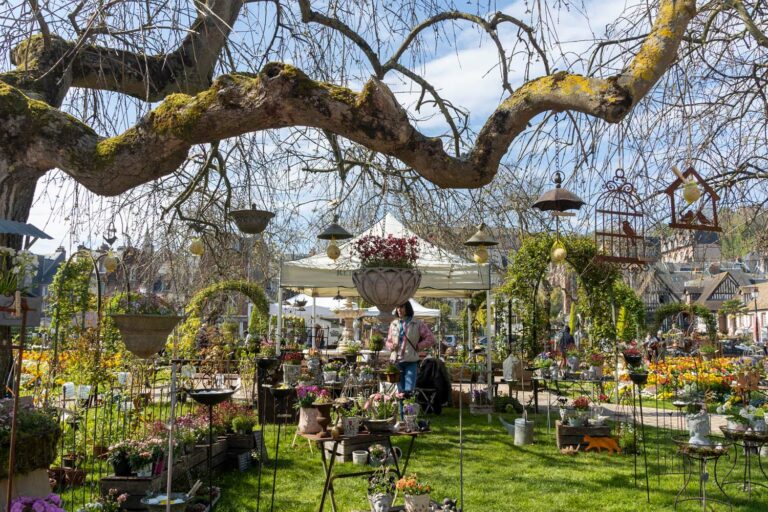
(251, 221)
(639, 378)
(386, 287)
(145, 335)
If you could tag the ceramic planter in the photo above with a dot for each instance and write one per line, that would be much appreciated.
(417, 503)
(639, 378)
(308, 421)
(379, 425)
(573, 364)
(145, 335)
(329, 377)
(380, 502)
(291, 374)
(386, 287)
(633, 359)
(596, 371)
(121, 467)
(351, 425)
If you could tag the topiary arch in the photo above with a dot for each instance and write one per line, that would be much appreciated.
(675, 308)
(257, 323)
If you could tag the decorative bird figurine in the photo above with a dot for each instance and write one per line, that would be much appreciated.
(702, 218)
(629, 231)
(687, 218)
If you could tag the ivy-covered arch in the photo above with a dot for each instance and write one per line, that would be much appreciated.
(257, 323)
(695, 310)
(600, 288)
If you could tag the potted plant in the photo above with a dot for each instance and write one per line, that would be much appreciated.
(596, 361)
(381, 490)
(140, 460)
(573, 360)
(305, 398)
(707, 351)
(330, 371)
(386, 277)
(377, 454)
(16, 271)
(111, 502)
(381, 409)
(416, 493)
(350, 352)
(578, 417)
(119, 457)
(632, 356)
(351, 413)
(391, 373)
(292, 367)
(638, 375)
(145, 323)
(376, 344)
(243, 424)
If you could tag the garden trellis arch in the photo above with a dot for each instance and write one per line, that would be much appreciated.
(695, 310)
(257, 323)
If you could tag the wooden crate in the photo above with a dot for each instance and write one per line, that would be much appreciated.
(574, 436)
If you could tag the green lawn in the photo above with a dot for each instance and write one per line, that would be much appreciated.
(498, 476)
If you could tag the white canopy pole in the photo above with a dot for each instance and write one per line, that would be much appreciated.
(314, 321)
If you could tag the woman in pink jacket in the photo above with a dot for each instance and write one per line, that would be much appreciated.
(407, 337)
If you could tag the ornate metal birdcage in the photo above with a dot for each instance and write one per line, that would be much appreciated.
(620, 225)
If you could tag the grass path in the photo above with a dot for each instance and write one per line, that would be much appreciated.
(498, 476)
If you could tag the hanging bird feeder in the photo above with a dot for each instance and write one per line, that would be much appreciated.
(696, 207)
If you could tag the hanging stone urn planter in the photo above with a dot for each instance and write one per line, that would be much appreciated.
(145, 335)
(386, 287)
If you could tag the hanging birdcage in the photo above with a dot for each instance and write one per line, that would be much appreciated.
(620, 225)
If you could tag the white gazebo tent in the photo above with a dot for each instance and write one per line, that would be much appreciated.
(419, 311)
(443, 274)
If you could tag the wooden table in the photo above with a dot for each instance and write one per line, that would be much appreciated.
(380, 437)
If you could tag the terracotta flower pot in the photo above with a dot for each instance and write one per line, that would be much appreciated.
(145, 335)
(386, 287)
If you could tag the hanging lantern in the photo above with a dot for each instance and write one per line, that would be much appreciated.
(196, 247)
(110, 262)
(558, 252)
(480, 240)
(691, 191)
(334, 232)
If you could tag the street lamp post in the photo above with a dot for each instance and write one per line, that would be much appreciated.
(757, 323)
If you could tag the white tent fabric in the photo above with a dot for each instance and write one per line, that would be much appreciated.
(419, 311)
(324, 307)
(443, 274)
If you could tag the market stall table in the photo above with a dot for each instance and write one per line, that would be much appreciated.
(749, 442)
(377, 437)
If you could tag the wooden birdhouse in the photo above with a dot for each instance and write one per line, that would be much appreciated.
(693, 203)
(620, 225)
